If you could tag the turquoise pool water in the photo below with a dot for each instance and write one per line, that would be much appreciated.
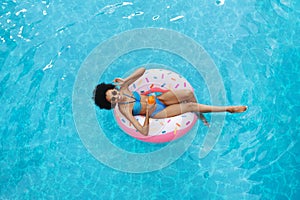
(255, 46)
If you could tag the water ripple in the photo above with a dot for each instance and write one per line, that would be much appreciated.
(280, 10)
(133, 15)
(176, 18)
(110, 9)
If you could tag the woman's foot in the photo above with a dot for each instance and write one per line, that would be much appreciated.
(236, 109)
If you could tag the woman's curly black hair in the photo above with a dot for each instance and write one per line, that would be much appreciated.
(100, 96)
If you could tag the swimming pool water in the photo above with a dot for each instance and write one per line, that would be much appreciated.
(255, 46)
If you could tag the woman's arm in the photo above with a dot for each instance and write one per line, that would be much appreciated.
(130, 79)
(142, 129)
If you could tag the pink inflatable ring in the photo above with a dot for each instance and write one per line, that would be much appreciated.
(161, 130)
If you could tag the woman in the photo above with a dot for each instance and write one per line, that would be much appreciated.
(167, 103)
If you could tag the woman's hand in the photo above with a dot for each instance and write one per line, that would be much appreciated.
(120, 81)
(150, 107)
(130, 79)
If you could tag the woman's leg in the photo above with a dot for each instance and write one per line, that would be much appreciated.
(178, 96)
(178, 109)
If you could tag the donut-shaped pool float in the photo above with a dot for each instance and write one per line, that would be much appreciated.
(160, 130)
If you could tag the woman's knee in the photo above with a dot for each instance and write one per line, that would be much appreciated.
(190, 93)
(179, 96)
(187, 94)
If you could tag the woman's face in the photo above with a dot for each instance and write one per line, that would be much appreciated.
(112, 96)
